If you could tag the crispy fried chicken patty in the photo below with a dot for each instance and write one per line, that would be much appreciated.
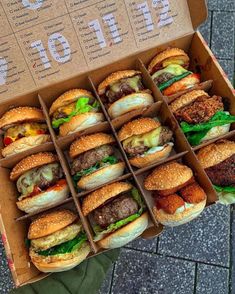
(192, 193)
(169, 203)
(200, 110)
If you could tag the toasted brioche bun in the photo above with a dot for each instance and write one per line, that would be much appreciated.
(100, 196)
(215, 153)
(25, 143)
(59, 262)
(101, 176)
(138, 127)
(89, 142)
(81, 122)
(30, 162)
(129, 103)
(142, 161)
(168, 53)
(50, 222)
(68, 98)
(126, 234)
(216, 132)
(187, 99)
(115, 77)
(21, 114)
(179, 218)
(168, 178)
(44, 199)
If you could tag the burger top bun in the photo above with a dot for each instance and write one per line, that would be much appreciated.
(114, 77)
(138, 127)
(168, 176)
(186, 99)
(89, 142)
(50, 223)
(21, 114)
(168, 53)
(100, 196)
(68, 98)
(30, 162)
(215, 153)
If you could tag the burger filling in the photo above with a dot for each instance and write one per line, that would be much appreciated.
(116, 213)
(92, 160)
(39, 179)
(65, 113)
(19, 131)
(148, 143)
(124, 87)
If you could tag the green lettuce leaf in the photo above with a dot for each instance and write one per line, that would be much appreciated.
(195, 138)
(82, 106)
(224, 189)
(226, 195)
(100, 233)
(65, 247)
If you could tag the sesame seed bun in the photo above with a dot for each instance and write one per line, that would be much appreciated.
(89, 142)
(129, 103)
(215, 153)
(115, 77)
(125, 234)
(68, 98)
(30, 162)
(21, 114)
(187, 99)
(100, 196)
(168, 178)
(164, 55)
(51, 222)
(81, 122)
(25, 143)
(138, 127)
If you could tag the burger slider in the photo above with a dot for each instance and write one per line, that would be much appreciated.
(146, 141)
(201, 117)
(94, 162)
(178, 197)
(75, 110)
(39, 180)
(123, 91)
(23, 128)
(57, 241)
(218, 160)
(117, 214)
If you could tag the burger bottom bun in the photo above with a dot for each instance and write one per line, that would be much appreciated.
(101, 176)
(129, 103)
(179, 218)
(43, 200)
(216, 132)
(24, 143)
(81, 122)
(126, 234)
(59, 262)
(142, 161)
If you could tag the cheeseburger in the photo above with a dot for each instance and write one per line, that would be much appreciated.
(169, 71)
(94, 162)
(39, 180)
(23, 128)
(146, 141)
(201, 117)
(57, 241)
(178, 197)
(123, 91)
(117, 214)
(75, 110)
(218, 160)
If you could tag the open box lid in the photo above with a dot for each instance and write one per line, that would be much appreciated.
(42, 44)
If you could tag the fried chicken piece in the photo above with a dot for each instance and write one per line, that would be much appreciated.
(192, 193)
(169, 203)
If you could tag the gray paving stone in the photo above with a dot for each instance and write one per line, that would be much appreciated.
(105, 288)
(144, 245)
(212, 279)
(205, 28)
(221, 5)
(228, 66)
(137, 273)
(205, 239)
(222, 41)
(6, 283)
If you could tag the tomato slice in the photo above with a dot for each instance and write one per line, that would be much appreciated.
(7, 141)
(40, 132)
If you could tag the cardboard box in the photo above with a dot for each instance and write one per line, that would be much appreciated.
(120, 34)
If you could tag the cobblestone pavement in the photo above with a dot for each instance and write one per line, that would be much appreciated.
(197, 257)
